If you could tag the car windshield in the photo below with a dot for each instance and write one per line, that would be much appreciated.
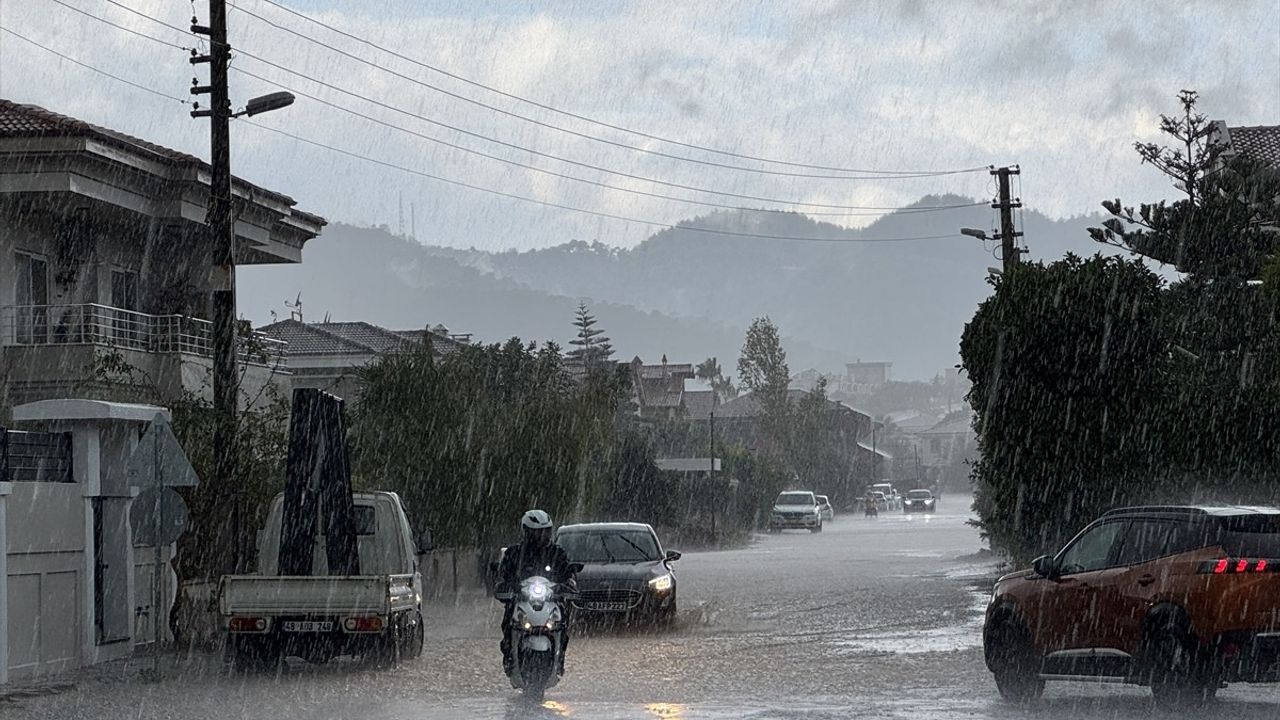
(609, 546)
(795, 499)
(919, 495)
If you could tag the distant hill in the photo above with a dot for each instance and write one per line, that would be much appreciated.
(684, 293)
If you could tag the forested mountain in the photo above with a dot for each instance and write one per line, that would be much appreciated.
(685, 293)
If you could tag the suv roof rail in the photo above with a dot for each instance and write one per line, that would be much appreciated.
(1170, 509)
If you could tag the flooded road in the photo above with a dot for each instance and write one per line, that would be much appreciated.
(870, 618)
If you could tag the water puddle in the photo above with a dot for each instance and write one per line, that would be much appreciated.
(962, 635)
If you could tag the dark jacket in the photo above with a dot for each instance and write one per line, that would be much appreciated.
(523, 561)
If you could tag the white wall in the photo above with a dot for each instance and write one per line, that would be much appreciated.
(44, 581)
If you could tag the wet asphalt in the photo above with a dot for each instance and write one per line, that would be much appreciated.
(868, 619)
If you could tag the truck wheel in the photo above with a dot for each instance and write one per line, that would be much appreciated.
(413, 636)
(386, 648)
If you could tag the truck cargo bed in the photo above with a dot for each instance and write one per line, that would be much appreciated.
(267, 595)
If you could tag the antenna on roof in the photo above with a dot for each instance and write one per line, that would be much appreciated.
(295, 308)
(274, 317)
(326, 317)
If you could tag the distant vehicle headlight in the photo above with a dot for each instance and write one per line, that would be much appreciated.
(662, 583)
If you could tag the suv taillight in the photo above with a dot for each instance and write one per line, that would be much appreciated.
(1233, 566)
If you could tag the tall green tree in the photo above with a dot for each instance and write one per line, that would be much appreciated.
(591, 347)
(710, 371)
(1222, 227)
(477, 437)
(1069, 364)
(762, 369)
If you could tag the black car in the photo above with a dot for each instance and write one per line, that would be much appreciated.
(919, 501)
(626, 575)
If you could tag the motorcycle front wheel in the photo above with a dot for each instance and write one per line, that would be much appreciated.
(536, 669)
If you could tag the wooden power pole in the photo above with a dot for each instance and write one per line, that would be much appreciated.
(1006, 205)
(221, 223)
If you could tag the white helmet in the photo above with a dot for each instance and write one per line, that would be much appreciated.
(536, 520)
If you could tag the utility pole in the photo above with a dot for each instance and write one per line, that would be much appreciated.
(222, 278)
(1006, 204)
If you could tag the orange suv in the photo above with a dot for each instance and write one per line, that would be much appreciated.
(1182, 599)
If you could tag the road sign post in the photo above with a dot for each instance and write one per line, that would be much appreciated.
(158, 516)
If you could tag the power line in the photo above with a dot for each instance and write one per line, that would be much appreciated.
(526, 166)
(624, 218)
(491, 191)
(577, 116)
(98, 70)
(889, 173)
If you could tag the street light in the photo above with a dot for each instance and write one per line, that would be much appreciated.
(266, 103)
(974, 232)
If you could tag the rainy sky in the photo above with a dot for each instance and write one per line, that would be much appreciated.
(1061, 88)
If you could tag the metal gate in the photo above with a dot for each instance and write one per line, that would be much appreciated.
(35, 456)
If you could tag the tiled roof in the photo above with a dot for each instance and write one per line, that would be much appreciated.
(698, 404)
(19, 120)
(1260, 142)
(350, 338)
(956, 426)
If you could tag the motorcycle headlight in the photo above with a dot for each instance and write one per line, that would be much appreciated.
(661, 584)
(538, 591)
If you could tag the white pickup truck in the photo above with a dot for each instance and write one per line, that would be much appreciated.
(375, 615)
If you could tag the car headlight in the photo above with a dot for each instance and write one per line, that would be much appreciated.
(662, 583)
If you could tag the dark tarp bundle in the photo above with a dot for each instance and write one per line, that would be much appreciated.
(317, 494)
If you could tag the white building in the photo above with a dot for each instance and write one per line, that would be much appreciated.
(76, 590)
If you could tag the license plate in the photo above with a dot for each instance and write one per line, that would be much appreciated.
(610, 606)
(307, 626)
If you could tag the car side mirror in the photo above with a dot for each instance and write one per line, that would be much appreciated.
(575, 568)
(423, 542)
(673, 555)
(1044, 566)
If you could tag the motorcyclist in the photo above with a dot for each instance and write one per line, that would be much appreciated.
(536, 555)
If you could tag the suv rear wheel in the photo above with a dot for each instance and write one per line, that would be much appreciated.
(1013, 661)
(1178, 678)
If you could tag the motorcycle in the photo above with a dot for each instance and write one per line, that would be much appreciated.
(872, 509)
(537, 634)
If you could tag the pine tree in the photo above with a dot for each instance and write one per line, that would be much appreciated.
(590, 347)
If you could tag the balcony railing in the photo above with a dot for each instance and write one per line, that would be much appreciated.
(92, 324)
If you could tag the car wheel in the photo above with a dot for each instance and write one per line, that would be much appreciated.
(816, 528)
(1177, 680)
(1013, 662)
(667, 616)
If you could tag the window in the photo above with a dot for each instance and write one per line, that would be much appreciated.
(125, 325)
(1092, 550)
(935, 446)
(1145, 540)
(1252, 536)
(31, 295)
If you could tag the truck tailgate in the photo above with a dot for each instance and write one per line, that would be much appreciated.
(299, 595)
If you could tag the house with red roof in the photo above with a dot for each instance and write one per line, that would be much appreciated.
(104, 263)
